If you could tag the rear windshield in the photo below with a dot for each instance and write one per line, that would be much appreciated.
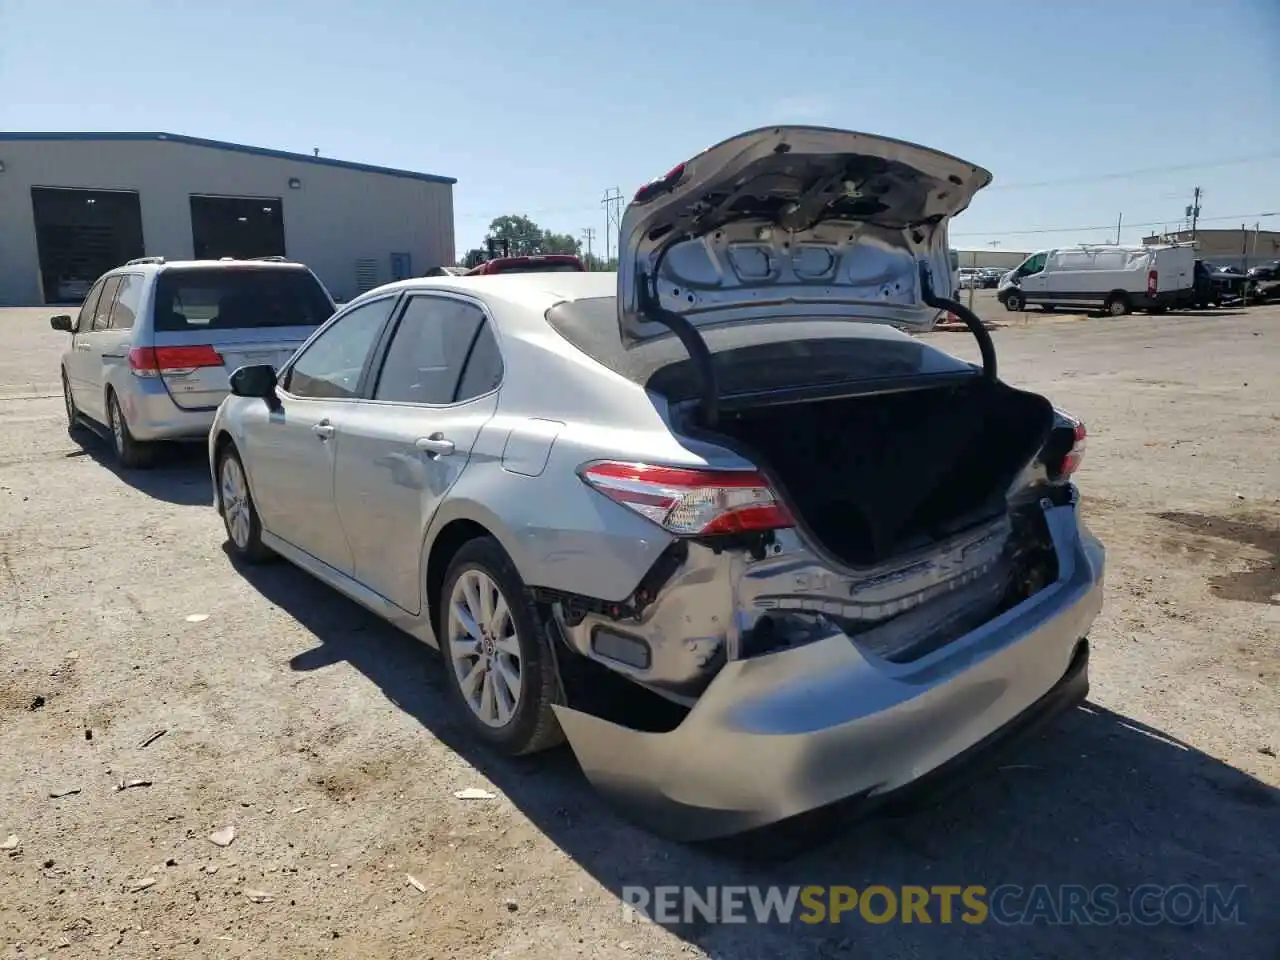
(750, 358)
(226, 298)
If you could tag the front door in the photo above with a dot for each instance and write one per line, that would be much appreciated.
(78, 359)
(94, 344)
(291, 450)
(403, 449)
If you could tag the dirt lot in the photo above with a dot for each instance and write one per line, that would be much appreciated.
(321, 736)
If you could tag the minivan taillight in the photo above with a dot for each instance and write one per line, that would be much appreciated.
(172, 361)
(690, 502)
(1152, 278)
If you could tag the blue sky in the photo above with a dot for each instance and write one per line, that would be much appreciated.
(539, 108)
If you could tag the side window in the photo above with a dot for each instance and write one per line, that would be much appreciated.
(85, 318)
(102, 314)
(330, 367)
(125, 310)
(1034, 265)
(425, 360)
(484, 368)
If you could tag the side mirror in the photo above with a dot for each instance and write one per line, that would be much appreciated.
(258, 381)
(61, 322)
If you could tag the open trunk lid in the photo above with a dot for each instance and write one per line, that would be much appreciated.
(792, 221)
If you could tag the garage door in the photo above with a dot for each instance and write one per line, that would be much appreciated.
(80, 235)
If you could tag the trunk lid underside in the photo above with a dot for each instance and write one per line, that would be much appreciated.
(789, 221)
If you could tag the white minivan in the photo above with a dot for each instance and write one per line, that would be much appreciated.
(1111, 278)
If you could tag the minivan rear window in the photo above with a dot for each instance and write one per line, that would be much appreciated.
(226, 298)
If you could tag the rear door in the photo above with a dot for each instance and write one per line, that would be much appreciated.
(116, 338)
(208, 321)
(400, 452)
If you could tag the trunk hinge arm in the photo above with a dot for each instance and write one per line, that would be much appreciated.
(709, 407)
(971, 320)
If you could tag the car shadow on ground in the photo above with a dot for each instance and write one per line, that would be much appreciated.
(1096, 800)
(179, 474)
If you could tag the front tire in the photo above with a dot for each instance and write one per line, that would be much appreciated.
(239, 515)
(1014, 302)
(68, 401)
(131, 453)
(498, 662)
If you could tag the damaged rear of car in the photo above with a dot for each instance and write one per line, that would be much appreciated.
(862, 557)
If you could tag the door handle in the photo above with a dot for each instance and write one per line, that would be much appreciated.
(435, 445)
(323, 429)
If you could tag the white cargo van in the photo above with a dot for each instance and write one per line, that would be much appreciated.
(1112, 278)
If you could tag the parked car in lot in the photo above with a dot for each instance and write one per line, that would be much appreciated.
(154, 343)
(1262, 283)
(540, 263)
(1115, 279)
(750, 547)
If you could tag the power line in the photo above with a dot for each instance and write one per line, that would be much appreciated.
(1106, 226)
(1142, 172)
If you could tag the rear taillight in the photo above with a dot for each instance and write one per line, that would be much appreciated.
(1071, 461)
(690, 502)
(1153, 278)
(171, 361)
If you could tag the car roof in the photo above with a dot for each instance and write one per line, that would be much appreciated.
(152, 266)
(537, 292)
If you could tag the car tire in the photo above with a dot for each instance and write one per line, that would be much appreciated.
(1013, 301)
(132, 453)
(482, 658)
(74, 426)
(239, 514)
(1117, 305)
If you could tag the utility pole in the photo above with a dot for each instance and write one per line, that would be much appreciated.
(612, 203)
(1119, 221)
(588, 234)
(1193, 212)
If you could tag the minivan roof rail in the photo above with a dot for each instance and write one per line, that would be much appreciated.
(278, 259)
(140, 260)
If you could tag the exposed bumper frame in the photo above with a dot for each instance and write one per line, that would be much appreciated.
(785, 733)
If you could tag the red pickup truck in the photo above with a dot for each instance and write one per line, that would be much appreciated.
(547, 263)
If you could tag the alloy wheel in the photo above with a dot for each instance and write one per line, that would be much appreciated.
(117, 424)
(484, 649)
(235, 502)
(69, 403)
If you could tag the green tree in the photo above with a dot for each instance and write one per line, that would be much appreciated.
(522, 237)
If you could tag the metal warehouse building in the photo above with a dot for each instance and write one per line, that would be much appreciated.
(73, 205)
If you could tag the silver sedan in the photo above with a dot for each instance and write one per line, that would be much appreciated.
(719, 519)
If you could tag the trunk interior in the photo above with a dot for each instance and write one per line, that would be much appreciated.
(872, 477)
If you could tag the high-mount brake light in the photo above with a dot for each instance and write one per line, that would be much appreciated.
(663, 184)
(691, 502)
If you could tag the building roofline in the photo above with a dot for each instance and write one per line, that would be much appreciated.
(232, 147)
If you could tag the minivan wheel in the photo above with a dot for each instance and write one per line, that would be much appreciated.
(239, 515)
(132, 454)
(73, 415)
(1013, 302)
(498, 661)
(1117, 305)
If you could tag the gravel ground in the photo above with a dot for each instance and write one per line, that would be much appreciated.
(320, 735)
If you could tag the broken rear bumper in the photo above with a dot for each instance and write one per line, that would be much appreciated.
(784, 733)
